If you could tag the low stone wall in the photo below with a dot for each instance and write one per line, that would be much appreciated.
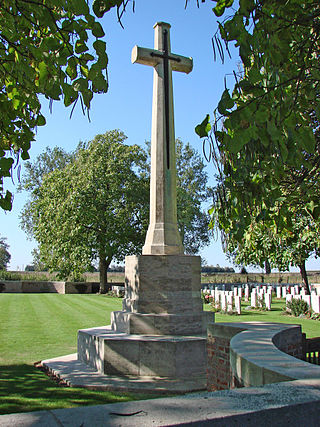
(23, 286)
(254, 354)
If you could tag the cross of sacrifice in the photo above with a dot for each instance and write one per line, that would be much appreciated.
(163, 235)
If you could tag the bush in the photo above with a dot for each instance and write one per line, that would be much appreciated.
(297, 307)
(207, 298)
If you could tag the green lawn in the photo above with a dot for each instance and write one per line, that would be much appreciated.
(310, 327)
(34, 327)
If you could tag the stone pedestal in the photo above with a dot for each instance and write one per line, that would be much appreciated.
(161, 331)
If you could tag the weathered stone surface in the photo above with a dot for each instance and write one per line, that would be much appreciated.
(162, 306)
(161, 324)
(162, 284)
(143, 355)
(163, 236)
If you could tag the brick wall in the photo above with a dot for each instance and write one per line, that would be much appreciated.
(219, 374)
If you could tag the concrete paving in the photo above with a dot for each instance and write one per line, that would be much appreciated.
(77, 374)
(294, 403)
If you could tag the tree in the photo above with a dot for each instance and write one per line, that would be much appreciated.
(192, 192)
(49, 48)
(267, 148)
(95, 208)
(4, 254)
(263, 243)
(31, 181)
(60, 184)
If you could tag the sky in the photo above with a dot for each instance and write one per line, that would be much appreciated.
(127, 105)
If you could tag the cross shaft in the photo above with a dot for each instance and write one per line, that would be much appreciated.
(163, 236)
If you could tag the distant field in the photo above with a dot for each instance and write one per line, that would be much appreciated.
(314, 277)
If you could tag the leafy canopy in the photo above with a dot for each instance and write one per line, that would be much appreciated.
(50, 48)
(4, 254)
(100, 193)
(265, 133)
(93, 209)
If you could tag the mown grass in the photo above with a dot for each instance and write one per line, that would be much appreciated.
(310, 327)
(34, 327)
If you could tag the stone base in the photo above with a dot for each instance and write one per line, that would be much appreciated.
(162, 296)
(161, 332)
(169, 357)
(161, 324)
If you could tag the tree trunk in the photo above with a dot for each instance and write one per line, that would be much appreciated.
(267, 266)
(103, 274)
(103, 268)
(304, 277)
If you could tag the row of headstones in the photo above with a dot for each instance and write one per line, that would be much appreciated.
(229, 300)
(312, 300)
(297, 292)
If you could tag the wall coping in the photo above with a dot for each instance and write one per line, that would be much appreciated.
(255, 358)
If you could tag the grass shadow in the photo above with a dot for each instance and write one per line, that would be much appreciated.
(24, 388)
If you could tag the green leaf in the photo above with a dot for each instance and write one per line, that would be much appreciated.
(80, 84)
(6, 202)
(100, 47)
(307, 139)
(221, 6)
(80, 46)
(41, 121)
(5, 166)
(225, 103)
(97, 30)
(43, 72)
(100, 7)
(204, 127)
(71, 69)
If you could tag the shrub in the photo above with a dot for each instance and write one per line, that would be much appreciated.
(297, 307)
(207, 298)
(315, 316)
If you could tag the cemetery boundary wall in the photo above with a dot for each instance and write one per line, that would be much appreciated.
(24, 286)
(255, 354)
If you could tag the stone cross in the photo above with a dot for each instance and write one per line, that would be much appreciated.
(163, 236)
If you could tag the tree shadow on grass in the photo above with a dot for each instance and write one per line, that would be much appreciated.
(24, 388)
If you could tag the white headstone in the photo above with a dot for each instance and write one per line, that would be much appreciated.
(223, 301)
(230, 302)
(307, 299)
(284, 292)
(253, 298)
(237, 304)
(315, 303)
(267, 300)
(278, 292)
(246, 293)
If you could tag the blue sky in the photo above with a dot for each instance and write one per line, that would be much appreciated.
(127, 105)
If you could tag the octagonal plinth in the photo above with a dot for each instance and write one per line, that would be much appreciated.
(170, 357)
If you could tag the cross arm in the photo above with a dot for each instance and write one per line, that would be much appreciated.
(142, 55)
